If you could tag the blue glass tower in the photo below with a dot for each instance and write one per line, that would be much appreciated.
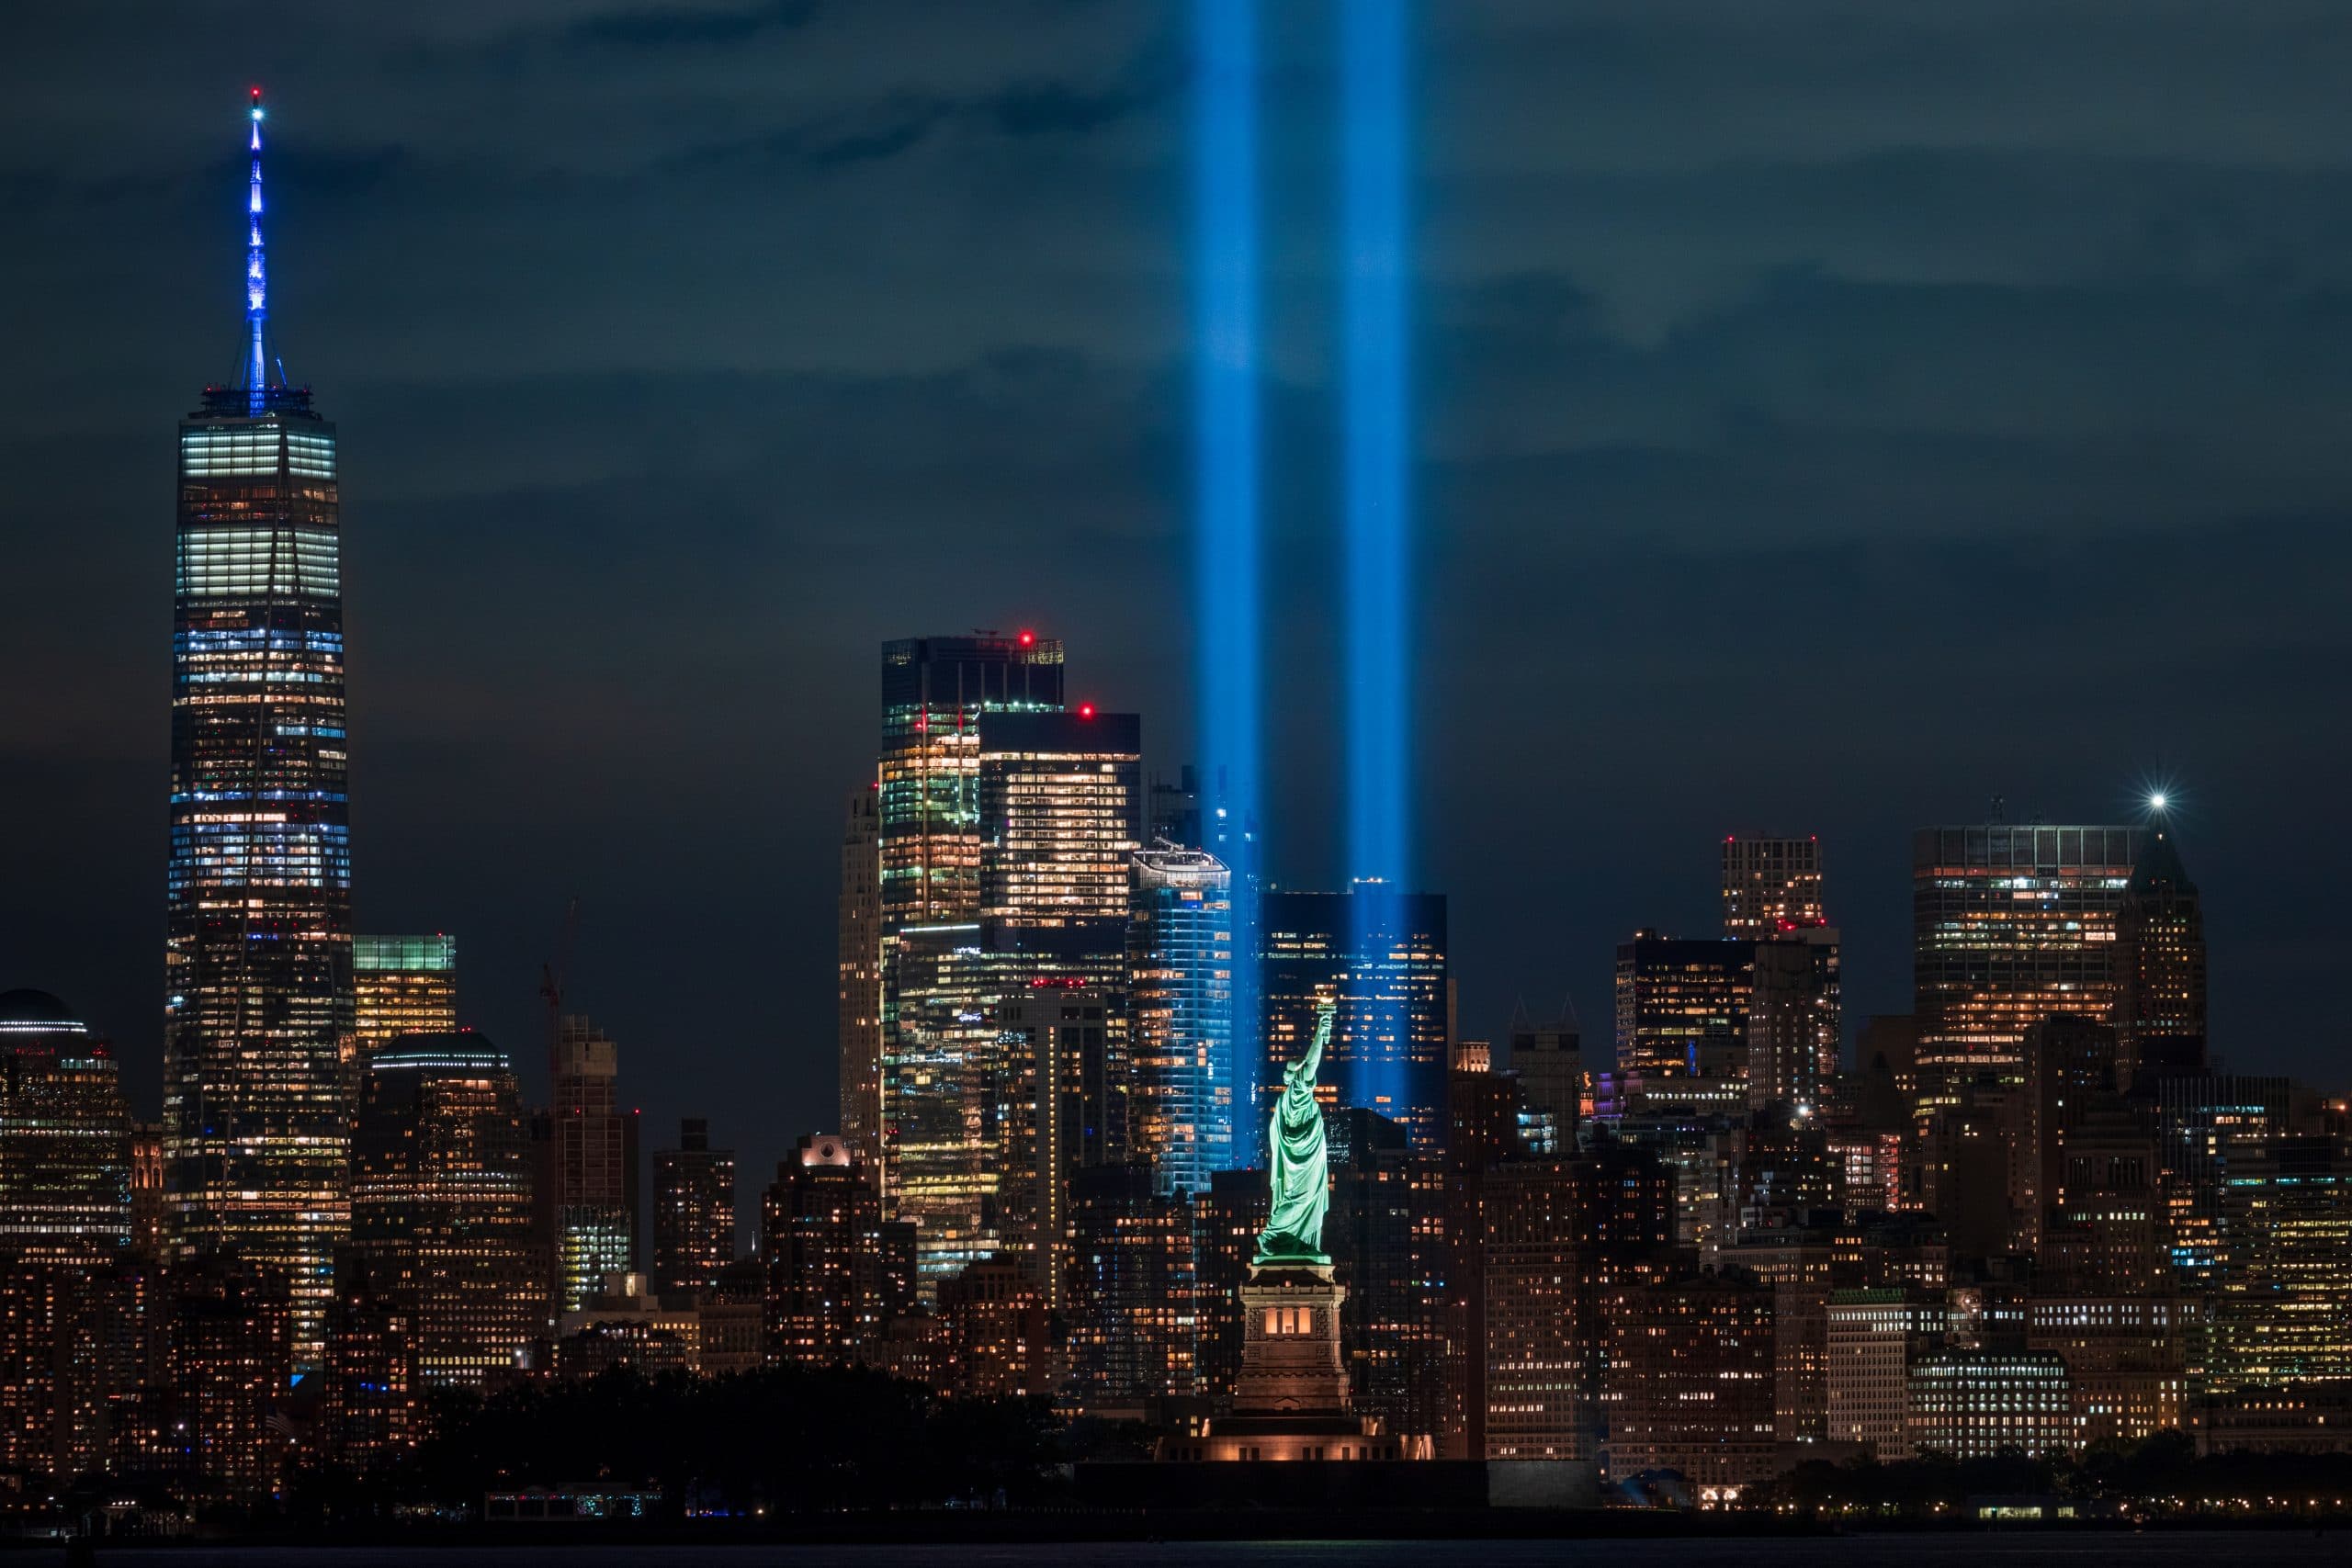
(258, 1016)
(1181, 968)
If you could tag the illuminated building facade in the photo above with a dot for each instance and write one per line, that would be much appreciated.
(1794, 1021)
(1682, 1008)
(589, 1199)
(1771, 886)
(1562, 1244)
(2010, 924)
(1133, 1329)
(65, 1134)
(442, 1205)
(2282, 1312)
(403, 985)
(1061, 814)
(2127, 1358)
(1385, 1235)
(1061, 1109)
(2208, 1126)
(1973, 1404)
(1872, 1336)
(938, 1082)
(1227, 1217)
(2159, 1008)
(693, 1210)
(258, 1014)
(1686, 1385)
(858, 961)
(934, 690)
(1382, 954)
(831, 1283)
(1181, 999)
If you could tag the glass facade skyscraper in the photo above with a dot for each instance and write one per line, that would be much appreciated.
(1181, 999)
(403, 985)
(259, 1009)
(1061, 814)
(2010, 924)
(64, 1134)
(1382, 955)
(934, 690)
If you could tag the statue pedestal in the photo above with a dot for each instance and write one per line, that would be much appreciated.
(1291, 1399)
(1290, 1343)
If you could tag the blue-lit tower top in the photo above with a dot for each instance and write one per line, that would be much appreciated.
(259, 363)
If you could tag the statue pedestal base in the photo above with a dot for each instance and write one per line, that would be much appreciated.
(1290, 1363)
(1291, 1399)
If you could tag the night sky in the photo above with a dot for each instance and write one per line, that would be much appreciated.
(1831, 415)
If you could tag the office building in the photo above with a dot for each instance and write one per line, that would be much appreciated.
(226, 1333)
(1687, 1384)
(1228, 1215)
(2010, 924)
(858, 964)
(65, 1134)
(1130, 1294)
(2127, 1358)
(1564, 1242)
(1771, 886)
(442, 1206)
(589, 1188)
(1548, 1061)
(403, 985)
(693, 1210)
(1060, 1110)
(1181, 1002)
(2159, 986)
(2282, 1309)
(258, 1012)
(934, 690)
(1974, 1404)
(1061, 814)
(1382, 954)
(1872, 1334)
(1794, 1022)
(1386, 1236)
(1682, 1010)
(832, 1283)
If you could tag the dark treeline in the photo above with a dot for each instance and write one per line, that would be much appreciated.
(779, 1439)
(2162, 1475)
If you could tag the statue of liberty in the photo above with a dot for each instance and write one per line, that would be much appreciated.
(1293, 1232)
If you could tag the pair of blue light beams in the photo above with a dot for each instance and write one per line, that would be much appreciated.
(1375, 404)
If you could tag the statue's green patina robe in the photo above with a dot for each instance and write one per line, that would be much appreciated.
(1293, 1232)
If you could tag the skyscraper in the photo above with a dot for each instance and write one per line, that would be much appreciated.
(2159, 1008)
(693, 1210)
(1180, 952)
(403, 985)
(1771, 885)
(441, 1204)
(589, 1202)
(1682, 1007)
(938, 1080)
(65, 1134)
(258, 1013)
(1383, 955)
(2009, 923)
(933, 692)
(831, 1283)
(1061, 814)
(859, 962)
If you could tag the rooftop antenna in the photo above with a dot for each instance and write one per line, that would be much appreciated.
(256, 371)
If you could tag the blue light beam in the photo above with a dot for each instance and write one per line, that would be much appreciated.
(1376, 460)
(1375, 481)
(1226, 530)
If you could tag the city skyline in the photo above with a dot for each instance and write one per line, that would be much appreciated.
(439, 689)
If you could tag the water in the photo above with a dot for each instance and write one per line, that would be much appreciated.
(2010, 1548)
